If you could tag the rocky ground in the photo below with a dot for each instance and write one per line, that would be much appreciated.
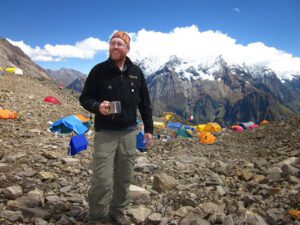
(249, 178)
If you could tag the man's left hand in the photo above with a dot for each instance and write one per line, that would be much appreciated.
(148, 139)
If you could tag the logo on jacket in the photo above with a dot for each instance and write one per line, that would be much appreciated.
(133, 77)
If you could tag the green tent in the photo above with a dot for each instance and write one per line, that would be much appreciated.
(182, 132)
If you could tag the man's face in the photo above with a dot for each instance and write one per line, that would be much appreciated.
(117, 49)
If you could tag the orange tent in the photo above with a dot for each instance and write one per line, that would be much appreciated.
(212, 127)
(207, 138)
(264, 122)
(82, 118)
(7, 114)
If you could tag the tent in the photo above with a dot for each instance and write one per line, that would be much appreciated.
(68, 124)
(238, 128)
(200, 127)
(160, 125)
(82, 118)
(207, 138)
(10, 69)
(246, 125)
(253, 126)
(52, 100)
(168, 117)
(7, 114)
(174, 125)
(86, 121)
(212, 127)
(264, 122)
(182, 132)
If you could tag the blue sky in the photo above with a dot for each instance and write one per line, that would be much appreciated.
(47, 29)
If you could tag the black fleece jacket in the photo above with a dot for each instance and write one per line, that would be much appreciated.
(107, 82)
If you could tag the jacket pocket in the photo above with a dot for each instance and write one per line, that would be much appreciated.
(106, 90)
(133, 93)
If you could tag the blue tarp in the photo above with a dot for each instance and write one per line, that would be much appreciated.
(69, 124)
(77, 144)
(173, 125)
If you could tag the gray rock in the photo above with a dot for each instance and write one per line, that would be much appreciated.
(154, 218)
(138, 194)
(289, 170)
(251, 218)
(35, 212)
(13, 192)
(11, 216)
(139, 214)
(163, 182)
(228, 220)
(40, 221)
(195, 219)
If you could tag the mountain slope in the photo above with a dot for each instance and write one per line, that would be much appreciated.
(221, 92)
(77, 84)
(64, 76)
(13, 56)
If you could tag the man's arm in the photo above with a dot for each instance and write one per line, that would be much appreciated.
(87, 98)
(145, 109)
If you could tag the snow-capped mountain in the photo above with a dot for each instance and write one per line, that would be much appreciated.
(218, 91)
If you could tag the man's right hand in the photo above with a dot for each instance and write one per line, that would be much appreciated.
(104, 108)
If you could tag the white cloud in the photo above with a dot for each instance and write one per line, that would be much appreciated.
(237, 10)
(185, 42)
(204, 46)
(85, 49)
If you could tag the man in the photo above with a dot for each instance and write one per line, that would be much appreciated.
(116, 79)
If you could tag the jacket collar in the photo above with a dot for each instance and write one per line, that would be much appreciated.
(128, 63)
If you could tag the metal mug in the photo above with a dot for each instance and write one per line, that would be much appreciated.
(115, 107)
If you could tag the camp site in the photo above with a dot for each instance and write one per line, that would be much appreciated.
(46, 154)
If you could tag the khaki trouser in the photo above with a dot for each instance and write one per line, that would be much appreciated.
(113, 165)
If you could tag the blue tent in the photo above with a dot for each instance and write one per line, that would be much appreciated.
(68, 124)
(173, 125)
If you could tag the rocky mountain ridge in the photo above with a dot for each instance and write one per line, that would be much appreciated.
(64, 76)
(13, 56)
(221, 92)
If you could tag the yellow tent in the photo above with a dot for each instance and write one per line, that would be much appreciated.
(207, 138)
(10, 69)
(200, 127)
(168, 117)
(1, 69)
(212, 127)
(160, 125)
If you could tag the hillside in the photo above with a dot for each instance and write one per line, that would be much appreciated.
(63, 76)
(244, 178)
(13, 56)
